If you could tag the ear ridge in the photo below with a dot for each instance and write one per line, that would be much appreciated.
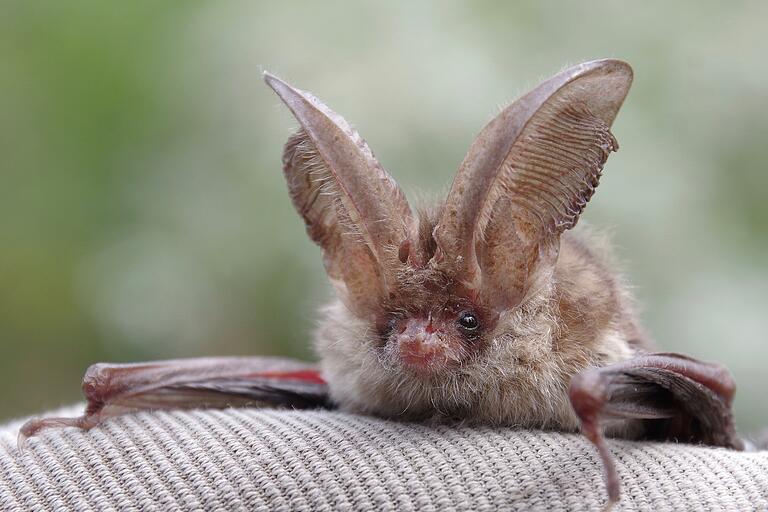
(526, 179)
(555, 168)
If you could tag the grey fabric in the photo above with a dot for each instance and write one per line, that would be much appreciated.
(242, 459)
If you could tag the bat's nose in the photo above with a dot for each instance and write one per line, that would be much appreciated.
(421, 346)
(420, 354)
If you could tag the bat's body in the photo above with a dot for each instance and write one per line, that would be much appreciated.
(480, 309)
(584, 318)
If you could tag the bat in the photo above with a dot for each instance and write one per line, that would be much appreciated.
(483, 309)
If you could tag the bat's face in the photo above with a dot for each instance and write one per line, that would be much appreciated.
(427, 330)
(432, 303)
(434, 339)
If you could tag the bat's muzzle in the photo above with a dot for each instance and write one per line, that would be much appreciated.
(425, 348)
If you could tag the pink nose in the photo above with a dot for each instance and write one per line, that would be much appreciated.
(420, 346)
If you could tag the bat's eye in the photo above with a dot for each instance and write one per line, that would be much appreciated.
(469, 321)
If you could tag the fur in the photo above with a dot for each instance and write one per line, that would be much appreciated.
(584, 317)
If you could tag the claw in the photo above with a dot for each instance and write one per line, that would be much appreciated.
(32, 427)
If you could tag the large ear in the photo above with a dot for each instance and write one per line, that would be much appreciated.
(526, 179)
(353, 209)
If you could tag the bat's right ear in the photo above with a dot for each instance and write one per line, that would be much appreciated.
(353, 209)
(526, 179)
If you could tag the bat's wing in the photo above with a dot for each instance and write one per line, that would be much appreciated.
(215, 382)
(655, 396)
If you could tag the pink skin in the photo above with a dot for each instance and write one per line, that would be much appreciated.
(422, 346)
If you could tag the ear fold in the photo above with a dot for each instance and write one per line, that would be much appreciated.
(526, 179)
(353, 209)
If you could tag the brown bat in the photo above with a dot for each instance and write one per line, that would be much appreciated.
(480, 309)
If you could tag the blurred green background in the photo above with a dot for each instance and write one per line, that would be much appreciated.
(143, 213)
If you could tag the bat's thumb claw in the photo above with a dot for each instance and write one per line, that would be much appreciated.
(35, 425)
(21, 443)
(26, 431)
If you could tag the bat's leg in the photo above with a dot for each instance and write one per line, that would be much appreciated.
(665, 396)
(216, 382)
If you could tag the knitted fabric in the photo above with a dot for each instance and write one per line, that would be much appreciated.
(272, 460)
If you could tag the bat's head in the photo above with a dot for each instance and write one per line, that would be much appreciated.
(440, 299)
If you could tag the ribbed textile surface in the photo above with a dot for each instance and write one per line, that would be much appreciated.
(260, 459)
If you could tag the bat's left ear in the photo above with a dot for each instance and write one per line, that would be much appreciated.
(351, 206)
(526, 179)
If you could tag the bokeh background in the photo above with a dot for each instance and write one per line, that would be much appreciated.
(143, 213)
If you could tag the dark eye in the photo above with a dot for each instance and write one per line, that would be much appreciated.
(469, 321)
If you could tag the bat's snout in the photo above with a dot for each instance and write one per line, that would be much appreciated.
(423, 347)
